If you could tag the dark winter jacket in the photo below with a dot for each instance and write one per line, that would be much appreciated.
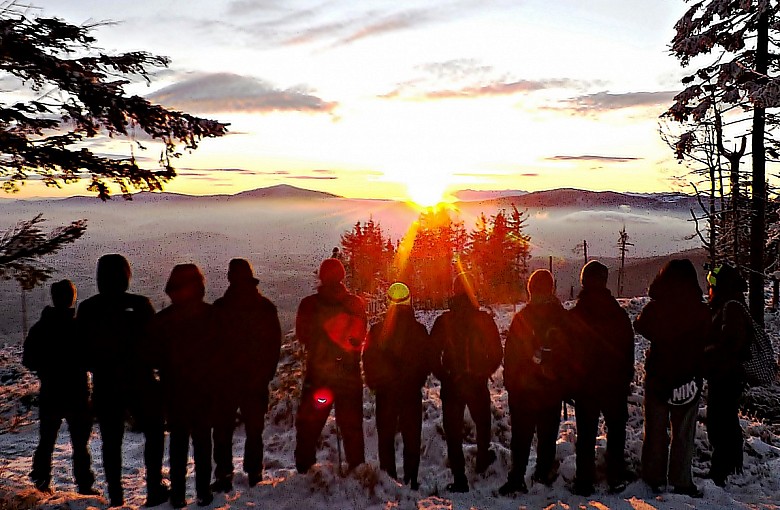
(250, 337)
(602, 342)
(187, 339)
(677, 326)
(331, 324)
(466, 342)
(537, 348)
(114, 327)
(728, 345)
(57, 354)
(398, 355)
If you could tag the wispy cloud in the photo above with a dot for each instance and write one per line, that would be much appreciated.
(496, 88)
(593, 157)
(470, 78)
(321, 22)
(391, 23)
(484, 175)
(313, 177)
(600, 102)
(241, 171)
(227, 92)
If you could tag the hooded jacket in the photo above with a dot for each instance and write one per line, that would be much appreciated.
(57, 354)
(728, 346)
(603, 341)
(677, 324)
(466, 341)
(537, 347)
(114, 327)
(186, 340)
(251, 335)
(331, 324)
(398, 354)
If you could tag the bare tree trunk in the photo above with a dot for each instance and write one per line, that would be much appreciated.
(757, 224)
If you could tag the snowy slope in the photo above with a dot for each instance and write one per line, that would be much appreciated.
(367, 487)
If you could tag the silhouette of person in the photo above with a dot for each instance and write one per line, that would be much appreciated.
(56, 353)
(331, 324)
(397, 359)
(537, 347)
(250, 342)
(468, 350)
(114, 324)
(726, 349)
(605, 359)
(677, 323)
(186, 334)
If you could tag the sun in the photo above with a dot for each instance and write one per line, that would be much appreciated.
(426, 192)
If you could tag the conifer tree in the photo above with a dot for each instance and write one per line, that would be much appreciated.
(80, 94)
(70, 91)
(738, 38)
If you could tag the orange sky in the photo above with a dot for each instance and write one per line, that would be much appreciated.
(385, 100)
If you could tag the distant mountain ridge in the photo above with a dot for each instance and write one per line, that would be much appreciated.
(555, 198)
(277, 191)
(577, 198)
(469, 195)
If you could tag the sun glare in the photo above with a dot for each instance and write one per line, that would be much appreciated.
(426, 193)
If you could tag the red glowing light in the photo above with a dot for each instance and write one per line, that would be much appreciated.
(323, 397)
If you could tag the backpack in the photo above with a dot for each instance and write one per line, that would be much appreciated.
(761, 366)
(550, 353)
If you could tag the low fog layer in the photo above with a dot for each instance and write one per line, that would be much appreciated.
(285, 239)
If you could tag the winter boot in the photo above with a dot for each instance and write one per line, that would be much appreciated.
(461, 484)
(512, 486)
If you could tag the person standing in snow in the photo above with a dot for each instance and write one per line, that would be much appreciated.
(251, 340)
(726, 349)
(186, 336)
(397, 359)
(114, 325)
(604, 342)
(56, 353)
(677, 323)
(331, 325)
(535, 356)
(468, 350)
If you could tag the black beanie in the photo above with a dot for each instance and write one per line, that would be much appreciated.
(594, 274)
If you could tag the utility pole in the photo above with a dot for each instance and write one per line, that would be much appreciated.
(585, 250)
(623, 245)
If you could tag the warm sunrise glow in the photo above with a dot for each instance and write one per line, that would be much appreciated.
(343, 97)
(426, 193)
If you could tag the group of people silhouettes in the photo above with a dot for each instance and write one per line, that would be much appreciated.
(191, 366)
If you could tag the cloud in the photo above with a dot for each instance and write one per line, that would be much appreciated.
(242, 171)
(492, 89)
(598, 217)
(355, 27)
(500, 89)
(495, 175)
(592, 157)
(227, 92)
(313, 177)
(363, 20)
(243, 7)
(600, 102)
(390, 23)
(456, 69)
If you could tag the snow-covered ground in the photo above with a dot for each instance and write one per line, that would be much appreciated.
(367, 487)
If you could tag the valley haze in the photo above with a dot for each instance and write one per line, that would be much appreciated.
(285, 232)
